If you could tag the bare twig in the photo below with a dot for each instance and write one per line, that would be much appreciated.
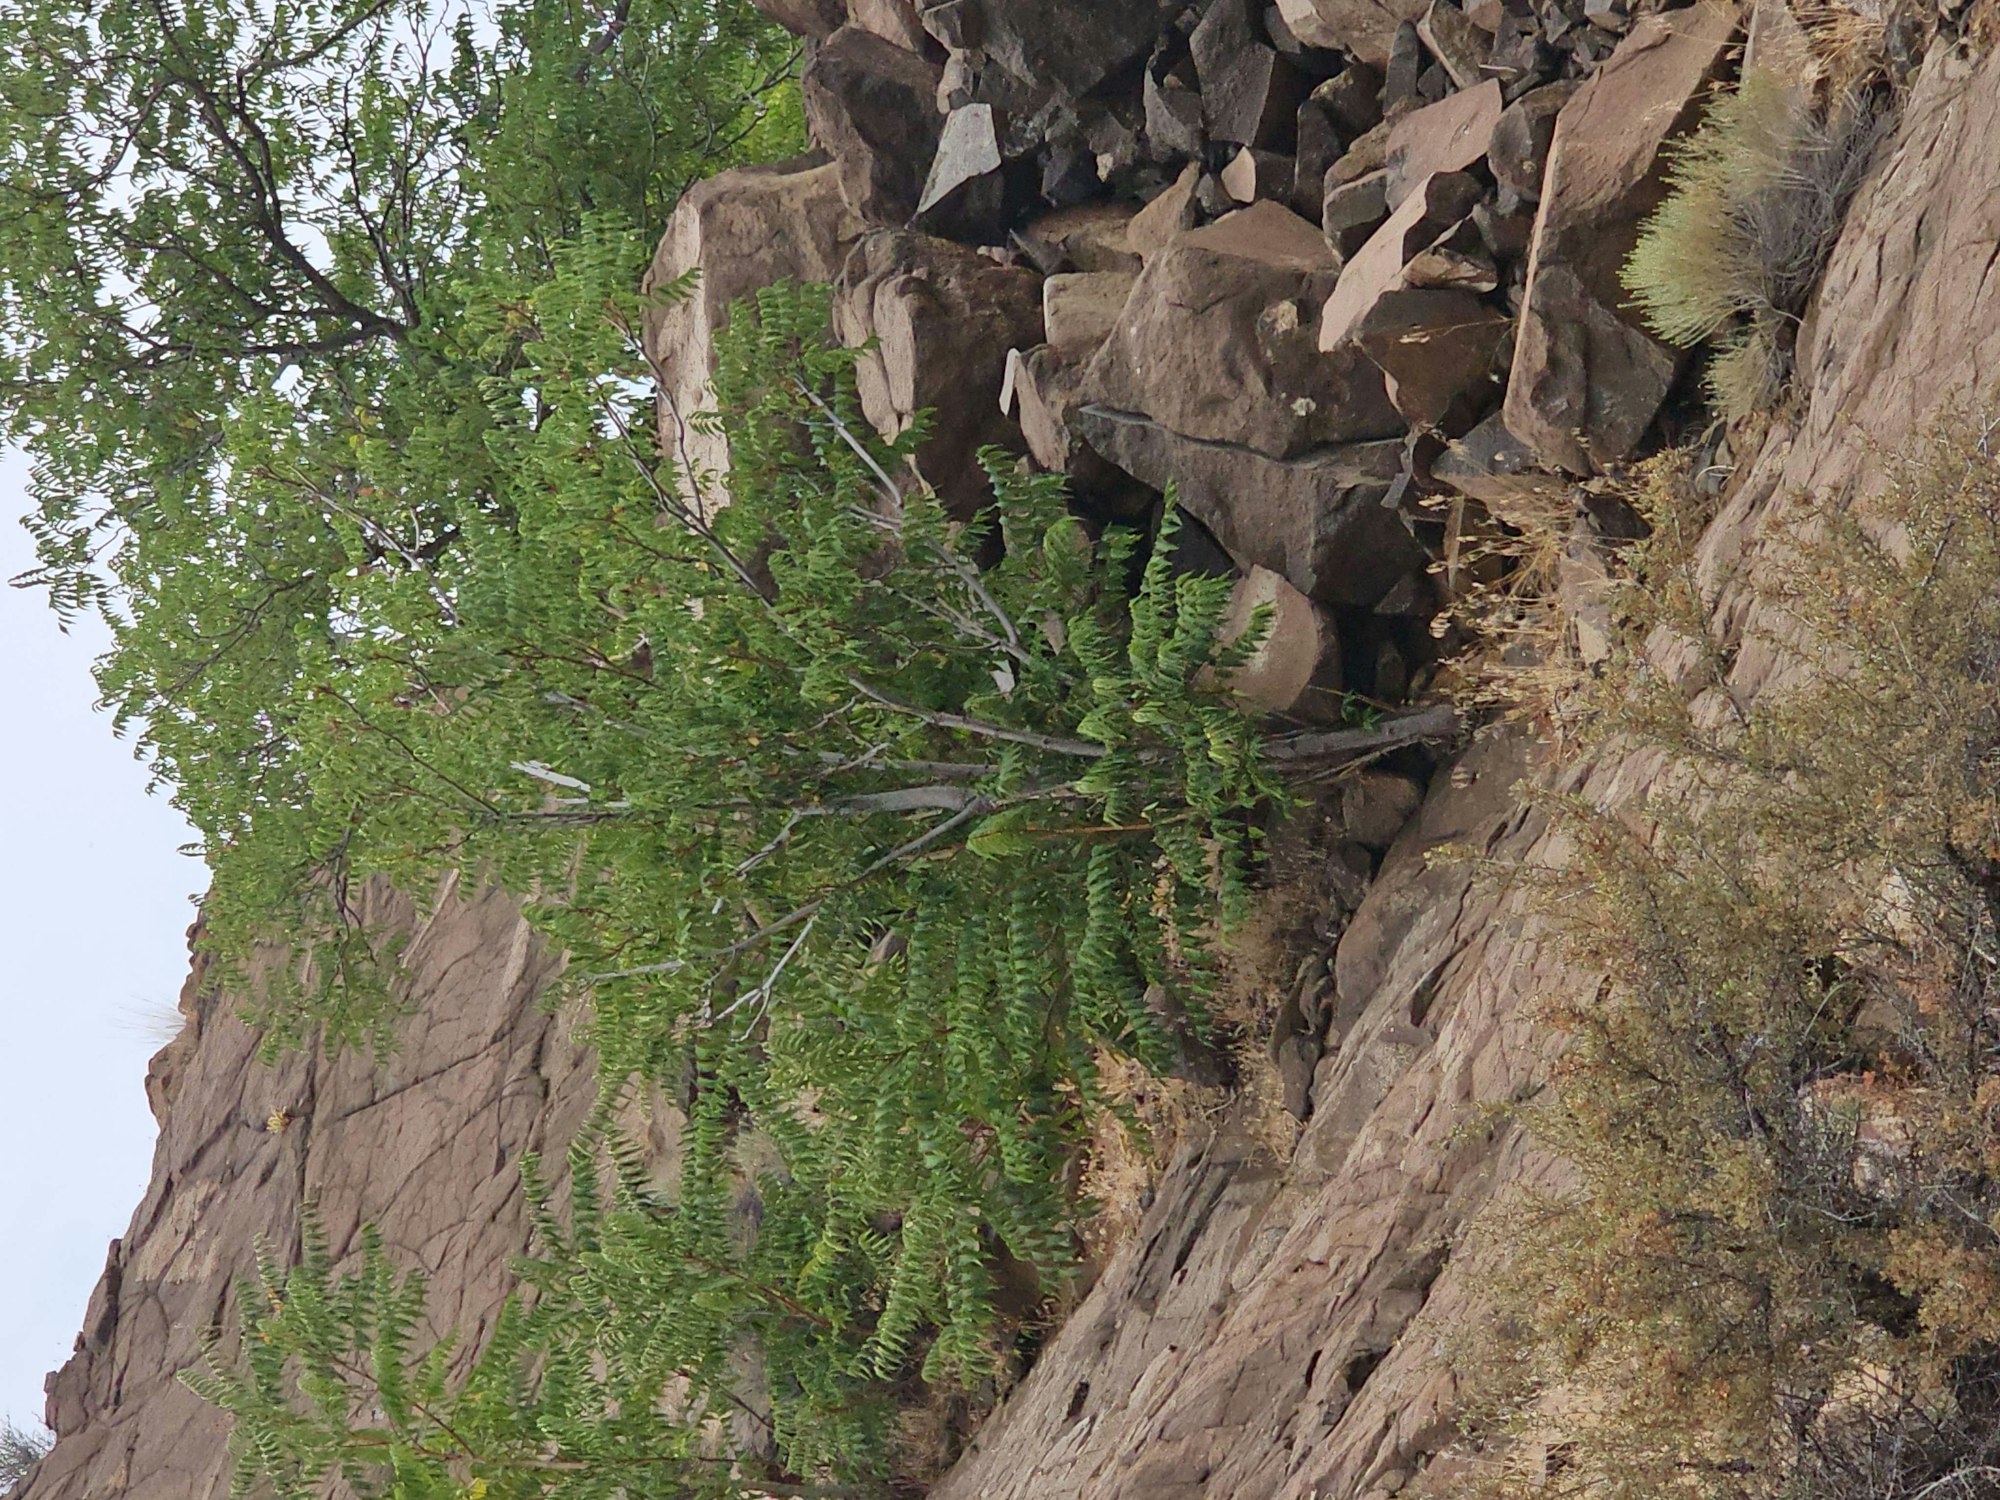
(1438, 722)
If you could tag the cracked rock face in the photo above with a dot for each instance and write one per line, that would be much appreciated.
(427, 1147)
(1218, 342)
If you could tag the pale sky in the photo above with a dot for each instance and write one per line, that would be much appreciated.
(93, 915)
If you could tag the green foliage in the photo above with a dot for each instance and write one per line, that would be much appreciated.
(20, 1451)
(859, 851)
(257, 265)
(1777, 1273)
(1757, 197)
(328, 1380)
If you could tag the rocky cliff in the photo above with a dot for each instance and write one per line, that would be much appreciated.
(1346, 275)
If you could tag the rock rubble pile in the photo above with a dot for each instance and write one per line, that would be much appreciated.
(1328, 268)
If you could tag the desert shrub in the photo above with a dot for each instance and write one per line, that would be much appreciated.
(20, 1451)
(1757, 197)
(1776, 1272)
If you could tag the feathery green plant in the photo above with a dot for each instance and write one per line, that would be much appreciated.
(1757, 198)
(859, 851)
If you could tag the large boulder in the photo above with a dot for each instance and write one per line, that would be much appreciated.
(818, 19)
(1321, 521)
(1055, 44)
(937, 320)
(1588, 378)
(1366, 28)
(872, 106)
(737, 232)
(1218, 342)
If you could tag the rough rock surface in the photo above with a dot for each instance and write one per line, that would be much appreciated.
(1587, 378)
(869, 104)
(1366, 28)
(941, 319)
(1278, 1334)
(1218, 342)
(736, 232)
(427, 1147)
(1319, 520)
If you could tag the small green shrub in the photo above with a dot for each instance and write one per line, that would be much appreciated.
(1757, 197)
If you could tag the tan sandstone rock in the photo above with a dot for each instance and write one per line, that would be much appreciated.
(942, 318)
(871, 105)
(738, 232)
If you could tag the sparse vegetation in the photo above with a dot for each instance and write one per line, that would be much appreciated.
(1757, 197)
(20, 1450)
(1776, 1274)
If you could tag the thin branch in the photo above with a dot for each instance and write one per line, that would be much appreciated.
(1052, 743)
(1438, 722)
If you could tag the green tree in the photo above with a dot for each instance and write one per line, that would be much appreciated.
(256, 262)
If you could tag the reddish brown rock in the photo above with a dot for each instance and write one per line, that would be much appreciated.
(1456, 43)
(941, 318)
(1218, 344)
(1376, 269)
(893, 20)
(1250, 175)
(1297, 1342)
(1353, 98)
(1319, 520)
(1053, 44)
(871, 105)
(1319, 145)
(1089, 237)
(1494, 467)
(1038, 391)
(1459, 261)
(1441, 352)
(426, 1145)
(1587, 377)
(1250, 92)
(1366, 155)
(1350, 212)
(1173, 117)
(1080, 310)
(1448, 136)
(1519, 149)
(1362, 27)
(1160, 222)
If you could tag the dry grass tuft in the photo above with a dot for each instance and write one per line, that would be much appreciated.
(1133, 1133)
(1758, 197)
